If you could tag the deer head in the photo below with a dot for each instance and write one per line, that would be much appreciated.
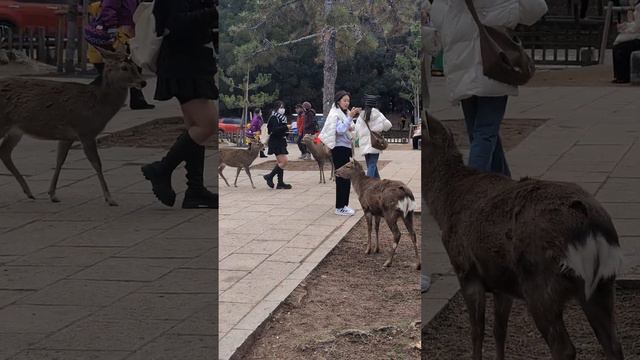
(255, 145)
(120, 71)
(348, 170)
(438, 142)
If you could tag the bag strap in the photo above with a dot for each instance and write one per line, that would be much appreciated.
(474, 13)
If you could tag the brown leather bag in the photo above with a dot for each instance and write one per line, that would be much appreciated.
(503, 57)
(377, 140)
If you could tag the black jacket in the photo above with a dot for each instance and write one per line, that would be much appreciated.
(310, 125)
(277, 127)
(184, 52)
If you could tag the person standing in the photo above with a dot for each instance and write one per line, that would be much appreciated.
(278, 131)
(484, 100)
(255, 128)
(186, 68)
(372, 119)
(627, 41)
(300, 121)
(337, 135)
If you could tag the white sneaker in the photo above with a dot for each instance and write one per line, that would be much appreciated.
(343, 212)
(350, 210)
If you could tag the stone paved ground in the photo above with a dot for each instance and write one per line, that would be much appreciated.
(270, 240)
(81, 280)
(592, 138)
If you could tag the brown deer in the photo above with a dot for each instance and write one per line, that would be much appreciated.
(389, 199)
(540, 241)
(321, 153)
(239, 158)
(66, 112)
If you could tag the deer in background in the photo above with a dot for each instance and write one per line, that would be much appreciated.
(540, 241)
(64, 111)
(239, 158)
(321, 153)
(388, 199)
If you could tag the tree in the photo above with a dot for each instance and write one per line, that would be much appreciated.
(249, 98)
(407, 69)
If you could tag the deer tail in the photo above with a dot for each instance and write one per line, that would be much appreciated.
(407, 204)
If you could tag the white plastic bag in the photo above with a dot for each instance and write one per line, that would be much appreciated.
(145, 46)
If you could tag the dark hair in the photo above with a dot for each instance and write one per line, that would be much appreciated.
(299, 106)
(339, 95)
(256, 111)
(277, 105)
(370, 101)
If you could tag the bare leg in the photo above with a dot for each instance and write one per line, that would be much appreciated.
(408, 222)
(502, 309)
(249, 175)
(474, 296)
(220, 168)
(600, 312)
(392, 221)
(235, 183)
(10, 141)
(201, 115)
(63, 151)
(368, 216)
(377, 246)
(91, 151)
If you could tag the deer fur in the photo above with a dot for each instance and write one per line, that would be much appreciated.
(541, 241)
(239, 158)
(389, 199)
(321, 153)
(64, 111)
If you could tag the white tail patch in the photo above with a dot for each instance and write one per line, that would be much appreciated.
(406, 205)
(595, 252)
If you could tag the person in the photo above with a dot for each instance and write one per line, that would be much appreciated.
(377, 122)
(117, 16)
(278, 130)
(255, 127)
(310, 124)
(627, 41)
(300, 121)
(186, 68)
(337, 135)
(484, 100)
(403, 120)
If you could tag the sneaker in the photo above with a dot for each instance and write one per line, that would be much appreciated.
(343, 212)
(302, 157)
(349, 210)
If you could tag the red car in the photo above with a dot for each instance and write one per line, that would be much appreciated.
(17, 14)
(229, 125)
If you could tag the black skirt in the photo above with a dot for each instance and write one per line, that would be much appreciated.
(186, 89)
(278, 146)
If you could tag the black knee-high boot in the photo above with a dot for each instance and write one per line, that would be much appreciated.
(281, 183)
(197, 196)
(269, 176)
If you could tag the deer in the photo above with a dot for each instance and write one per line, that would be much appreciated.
(66, 112)
(239, 158)
(321, 153)
(388, 199)
(540, 241)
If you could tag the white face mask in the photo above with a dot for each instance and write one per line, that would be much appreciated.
(281, 111)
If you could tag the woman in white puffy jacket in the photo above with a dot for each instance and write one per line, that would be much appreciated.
(484, 101)
(377, 122)
(337, 135)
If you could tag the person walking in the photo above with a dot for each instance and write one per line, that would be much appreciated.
(255, 127)
(484, 100)
(337, 135)
(116, 16)
(372, 119)
(278, 130)
(186, 68)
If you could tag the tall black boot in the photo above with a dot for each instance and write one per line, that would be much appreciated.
(281, 183)
(269, 176)
(137, 100)
(159, 172)
(197, 196)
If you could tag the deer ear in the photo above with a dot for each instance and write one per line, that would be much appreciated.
(112, 56)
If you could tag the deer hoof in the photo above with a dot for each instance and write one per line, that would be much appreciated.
(368, 251)
(111, 202)
(54, 199)
(387, 263)
(376, 250)
(417, 266)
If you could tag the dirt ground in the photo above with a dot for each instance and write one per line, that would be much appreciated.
(159, 133)
(448, 335)
(596, 75)
(350, 307)
(307, 165)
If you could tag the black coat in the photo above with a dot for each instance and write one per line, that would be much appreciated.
(184, 52)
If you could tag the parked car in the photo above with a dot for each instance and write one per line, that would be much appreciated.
(17, 14)
(229, 124)
(319, 118)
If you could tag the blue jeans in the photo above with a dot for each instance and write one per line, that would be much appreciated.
(372, 165)
(483, 115)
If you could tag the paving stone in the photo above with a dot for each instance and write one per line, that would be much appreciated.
(155, 306)
(231, 342)
(627, 227)
(231, 314)
(242, 262)
(110, 236)
(82, 293)
(39, 318)
(67, 256)
(129, 269)
(255, 286)
(230, 277)
(204, 322)
(9, 296)
(306, 241)
(261, 247)
(290, 254)
(623, 210)
(10, 220)
(208, 260)
(171, 347)
(70, 355)
(620, 190)
(257, 315)
(186, 281)
(114, 335)
(630, 164)
(302, 271)
(32, 277)
(163, 247)
(12, 343)
(29, 238)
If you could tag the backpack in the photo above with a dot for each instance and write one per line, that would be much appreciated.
(145, 46)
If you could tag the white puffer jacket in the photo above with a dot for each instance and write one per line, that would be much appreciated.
(378, 122)
(328, 132)
(461, 41)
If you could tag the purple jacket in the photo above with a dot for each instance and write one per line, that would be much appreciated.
(116, 13)
(256, 125)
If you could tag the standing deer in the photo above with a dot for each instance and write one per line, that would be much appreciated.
(321, 153)
(382, 198)
(239, 158)
(66, 112)
(540, 241)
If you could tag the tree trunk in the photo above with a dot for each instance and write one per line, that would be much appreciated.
(330, 69)
(245, 107)
(72, 34)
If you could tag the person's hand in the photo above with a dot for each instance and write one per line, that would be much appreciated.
(353, 113)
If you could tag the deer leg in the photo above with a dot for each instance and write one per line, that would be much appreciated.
(333, 170)
(63, 151)
(376, 249)
(600, 313)
(408, 222)
(91, 151)
(249, 174)
(392, 221)
(474, 296)
(8, 144)
(320, 168)
(235, 183)
(220, 168)
(368, 216)
(502, 309)
(547, 315)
